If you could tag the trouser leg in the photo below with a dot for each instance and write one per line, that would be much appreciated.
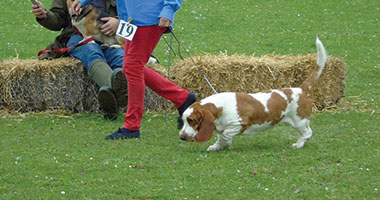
(136, 54)
(165, 88)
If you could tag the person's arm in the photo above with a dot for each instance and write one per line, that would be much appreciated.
(169, 9)
(39, 10)
(85, 2)
(54, 19)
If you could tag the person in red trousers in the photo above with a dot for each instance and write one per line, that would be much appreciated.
(153, 18)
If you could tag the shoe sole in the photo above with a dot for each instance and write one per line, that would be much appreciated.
(120, 87)
(108, 104)
(119, 135)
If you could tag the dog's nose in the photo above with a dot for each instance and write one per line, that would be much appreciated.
(182, 137)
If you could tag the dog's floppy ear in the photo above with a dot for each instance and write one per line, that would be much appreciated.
(206, 127)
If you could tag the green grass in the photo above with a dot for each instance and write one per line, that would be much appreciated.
(43, 155)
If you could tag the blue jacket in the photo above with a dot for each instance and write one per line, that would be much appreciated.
(145, 12)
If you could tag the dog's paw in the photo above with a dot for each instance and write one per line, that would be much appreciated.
(215, 147)
(297, 145)
(86, 38)
(116, 46)
(105, 46)
(212, 148)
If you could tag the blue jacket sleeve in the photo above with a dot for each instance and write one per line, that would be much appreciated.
(169, 9)
(84, 2)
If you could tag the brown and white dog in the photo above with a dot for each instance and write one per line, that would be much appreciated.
(230, 114)
(89, 24)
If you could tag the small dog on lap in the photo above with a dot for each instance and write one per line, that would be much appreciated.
(88, 24)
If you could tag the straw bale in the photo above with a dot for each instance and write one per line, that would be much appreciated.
(61, 84)
(250, 74)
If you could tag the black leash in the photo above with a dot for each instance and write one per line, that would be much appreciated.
(179, 54)
(169, 65)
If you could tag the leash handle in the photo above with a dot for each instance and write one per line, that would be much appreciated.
(199, 69)
(66, 48)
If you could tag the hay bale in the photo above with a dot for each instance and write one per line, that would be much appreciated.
(61, 84)
(249, 74)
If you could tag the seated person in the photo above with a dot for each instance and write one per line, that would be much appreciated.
(103, 65)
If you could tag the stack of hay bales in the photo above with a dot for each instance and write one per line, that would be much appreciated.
(61, 84)
(249, 74)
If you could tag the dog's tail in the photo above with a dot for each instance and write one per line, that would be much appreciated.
(321, 62)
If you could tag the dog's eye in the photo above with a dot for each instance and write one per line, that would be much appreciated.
(190, 121)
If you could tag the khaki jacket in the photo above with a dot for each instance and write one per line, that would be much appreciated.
(59, 19)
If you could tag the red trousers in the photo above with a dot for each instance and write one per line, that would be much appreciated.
(136, 55)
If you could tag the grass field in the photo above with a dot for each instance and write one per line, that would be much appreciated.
(59, 155)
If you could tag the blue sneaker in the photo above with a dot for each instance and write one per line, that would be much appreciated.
(123, 133)
(190, 100)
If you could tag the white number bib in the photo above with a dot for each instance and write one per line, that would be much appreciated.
(126, 30)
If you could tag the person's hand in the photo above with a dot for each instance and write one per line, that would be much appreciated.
(110, 26)
(39, 10)
(75, 7)
(164, 22)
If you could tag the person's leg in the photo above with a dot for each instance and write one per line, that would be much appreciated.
(137, 53)
(165, 88)
(93, 59)
(87, 53)
(119, 83)
(114, 57)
